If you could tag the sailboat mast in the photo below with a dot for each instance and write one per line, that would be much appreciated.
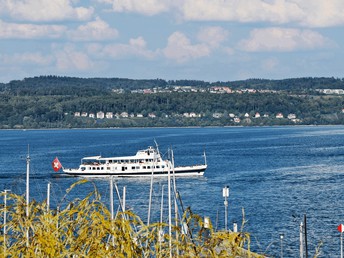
(111, 198)
(27, 181)
(169, 208)
(48, 196)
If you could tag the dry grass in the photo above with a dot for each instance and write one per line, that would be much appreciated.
(84, 229)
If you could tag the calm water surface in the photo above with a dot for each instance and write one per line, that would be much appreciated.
(277, 174)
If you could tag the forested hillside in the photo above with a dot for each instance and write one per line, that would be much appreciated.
(64, 102)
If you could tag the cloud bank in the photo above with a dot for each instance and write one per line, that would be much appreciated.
(315, 13)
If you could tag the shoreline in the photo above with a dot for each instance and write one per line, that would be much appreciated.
(167, 127)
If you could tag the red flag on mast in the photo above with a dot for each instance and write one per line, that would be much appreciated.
(56, 164)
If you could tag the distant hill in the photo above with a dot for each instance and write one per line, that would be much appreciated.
(57, 85)
(65, 102)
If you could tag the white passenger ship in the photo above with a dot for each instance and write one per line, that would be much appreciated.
(146, 162)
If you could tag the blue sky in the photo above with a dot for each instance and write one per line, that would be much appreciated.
(211, 40)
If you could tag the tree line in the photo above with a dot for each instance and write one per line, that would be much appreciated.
(51, 101)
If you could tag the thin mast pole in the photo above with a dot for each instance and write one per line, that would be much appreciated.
(124, 197)
(306, 244)
(111, 198)
(27, 191)
(169, 209)
(48, 197)
(301, 240)
(175, 199)
(5, 221)
(162, 203)
(151, 191)
(27, 181)
(161, 235)
(205, 158)
(341, 244)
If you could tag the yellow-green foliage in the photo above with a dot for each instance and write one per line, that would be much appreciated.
(84, 229)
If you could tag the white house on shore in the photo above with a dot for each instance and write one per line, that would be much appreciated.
(279, 115)
(291, 116)
(100, 115)
(109, 115)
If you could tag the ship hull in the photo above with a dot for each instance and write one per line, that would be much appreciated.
(197, 170)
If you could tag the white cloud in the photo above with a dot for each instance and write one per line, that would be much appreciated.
(146, 7)
(270, 64)
(96, 30)
(281, 39)
(212, 36)
(20, 59)
(136, 47)
(44, 10)
(242, 11)
(315, 13)
(319, 13)
(180, 49)
(30, 31)
(68, 58)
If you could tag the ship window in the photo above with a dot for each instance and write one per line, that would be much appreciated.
(98, 168)
(148, 167)
(93, 168)
(132, 167)
(144, 167)
(157, 166)
(137, 167)
(82, 168)
(102, 168)
(108, 168)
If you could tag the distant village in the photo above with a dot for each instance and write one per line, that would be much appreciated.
(215, 90)
(235, 118)
(171, 89)
(232, 117)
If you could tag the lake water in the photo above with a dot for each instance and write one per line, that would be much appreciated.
(277, 174)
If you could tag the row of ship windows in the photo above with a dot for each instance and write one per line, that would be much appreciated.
(125, 168)
(131, 161)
